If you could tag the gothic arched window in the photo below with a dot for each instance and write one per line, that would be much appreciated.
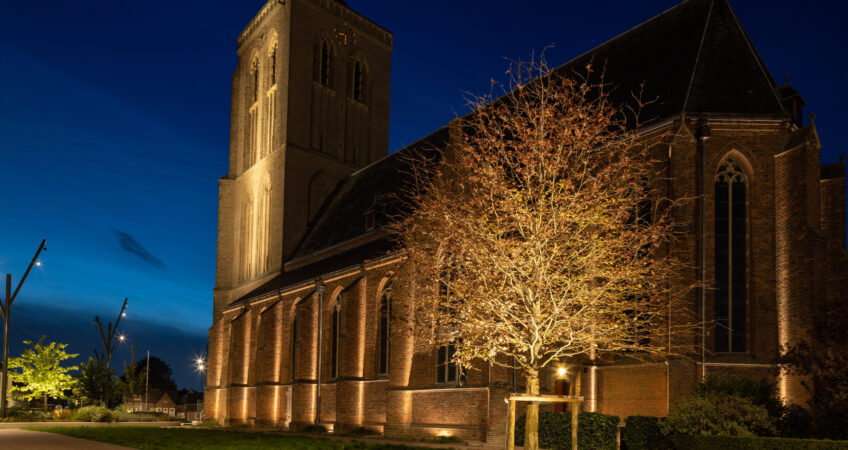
(731, 258)
(384, 333)
(325, 63)
(358, 80)
(254, 72)
(246, 233)
(335, 335)
(294, 337)
(272, 69)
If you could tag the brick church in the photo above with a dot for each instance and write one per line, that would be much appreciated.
(302, 325)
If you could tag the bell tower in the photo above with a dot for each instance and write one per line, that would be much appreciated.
(310, 105)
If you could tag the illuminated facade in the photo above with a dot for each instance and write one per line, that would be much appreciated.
(303, 314)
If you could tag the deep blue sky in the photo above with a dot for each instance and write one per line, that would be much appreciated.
(114, 130)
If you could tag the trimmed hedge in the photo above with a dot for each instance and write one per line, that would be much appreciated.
(644, 433)
(594, 431)
(753, 443)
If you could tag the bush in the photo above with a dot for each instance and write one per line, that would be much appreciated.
(313, 429)
(760, 392)
(718, 414)
(594, 431)
(644, 433)
(22, 415)
(753, 443)
(796, 422)
(362, 431)
(93, 414)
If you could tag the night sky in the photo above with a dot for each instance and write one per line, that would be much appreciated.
(114, 128)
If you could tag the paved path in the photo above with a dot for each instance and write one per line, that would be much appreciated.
(13, 439)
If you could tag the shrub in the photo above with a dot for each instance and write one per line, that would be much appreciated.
(718, 414)
(594, 431)
(93, 414)
(644, 433)
(760, 392)
(314, 429)
(362, 431)
(753, 443)
(796, 422)
(61, 414)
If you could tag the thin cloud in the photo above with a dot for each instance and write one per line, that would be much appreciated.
(131, 245)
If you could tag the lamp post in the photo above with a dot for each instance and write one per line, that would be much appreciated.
(5, 311)
(200, 364)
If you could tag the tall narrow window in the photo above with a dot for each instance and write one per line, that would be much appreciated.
(246, 240)
(731, 259)
(336, 337)
(273, 69)
(447, 371)
(326, 62)
(358, 80)
(385, 335)
(294, 326)
(255, 73)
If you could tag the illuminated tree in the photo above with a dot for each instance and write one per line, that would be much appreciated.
(539, 234)
(40, 373)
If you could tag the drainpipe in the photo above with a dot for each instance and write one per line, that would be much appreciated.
(703, 138)
(320, 293)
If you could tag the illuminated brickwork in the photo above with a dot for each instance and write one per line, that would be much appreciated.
(305, 137)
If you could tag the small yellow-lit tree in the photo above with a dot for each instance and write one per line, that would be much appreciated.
(539, 233)
(39, 373)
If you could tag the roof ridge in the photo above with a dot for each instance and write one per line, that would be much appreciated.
(698, 56)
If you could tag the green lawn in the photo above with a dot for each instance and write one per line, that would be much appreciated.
(155, 438)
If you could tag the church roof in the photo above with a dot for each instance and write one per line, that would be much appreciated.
(694, 58)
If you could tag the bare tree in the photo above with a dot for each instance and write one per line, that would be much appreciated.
(541, 234)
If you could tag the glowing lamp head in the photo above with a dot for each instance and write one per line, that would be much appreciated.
(123, 314)
(121, 337)
(561, 372)
(38, 263)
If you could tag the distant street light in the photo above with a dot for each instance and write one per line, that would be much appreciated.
(109, 338)
(5, 312)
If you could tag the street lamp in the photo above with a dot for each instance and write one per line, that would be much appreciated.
(200, 366)
(5, 312)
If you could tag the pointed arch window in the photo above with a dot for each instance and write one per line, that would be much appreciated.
(384, 334)
(335, 335)
(325, 63)
(294, 338)
(272, 75)
(254, 71)
(731, 258)
(358, 80)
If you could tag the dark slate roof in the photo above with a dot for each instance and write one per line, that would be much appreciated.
(833, 170)
(370, 188)
(357, 255)
(693, 58)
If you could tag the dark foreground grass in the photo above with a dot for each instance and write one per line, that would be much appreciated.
(156, 438)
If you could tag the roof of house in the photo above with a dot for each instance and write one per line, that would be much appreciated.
(694, 58)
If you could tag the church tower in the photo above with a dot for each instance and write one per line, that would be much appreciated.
(310, 105)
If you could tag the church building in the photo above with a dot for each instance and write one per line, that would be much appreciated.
(302, 326)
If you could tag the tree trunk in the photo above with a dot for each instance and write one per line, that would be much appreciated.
(45, 401)
(531, 427)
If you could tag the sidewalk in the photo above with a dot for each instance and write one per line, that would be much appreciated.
(13, 439)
